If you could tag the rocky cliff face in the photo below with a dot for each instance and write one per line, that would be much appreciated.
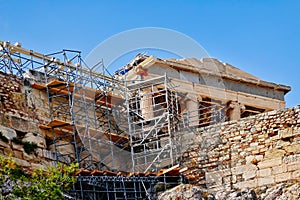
(189, 192)
(22, 110)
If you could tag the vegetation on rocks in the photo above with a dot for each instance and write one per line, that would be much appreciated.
(29, 147)
(39, 185)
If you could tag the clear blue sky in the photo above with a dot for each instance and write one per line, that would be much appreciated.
(260, 37)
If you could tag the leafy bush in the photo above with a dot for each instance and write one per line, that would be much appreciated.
(8, 167)
(41, 184)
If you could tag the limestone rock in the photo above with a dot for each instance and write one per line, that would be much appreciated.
(274, 153)
(18, 154)
(4, 144)
(37, 166)
(244, 195)
(29, 157)
(277, 192)
(18, 147)
(293, 148)
(48, 154)
(8, 132)
(220, 195)
(274, 194)
(65, 149)
(286, 133)
(22, 163)
(34, 138)
(188, 192)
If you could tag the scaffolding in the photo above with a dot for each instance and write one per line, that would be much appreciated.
(108, 125)
(152, 109)
(135, 185)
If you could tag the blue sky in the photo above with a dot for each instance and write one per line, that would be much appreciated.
(260, 37)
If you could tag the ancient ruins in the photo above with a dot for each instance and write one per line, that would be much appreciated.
(155, 123)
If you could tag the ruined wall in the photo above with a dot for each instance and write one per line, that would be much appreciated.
(257, 151)
(22, 110)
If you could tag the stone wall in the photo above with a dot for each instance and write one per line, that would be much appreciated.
(22, 110)
(257, 151)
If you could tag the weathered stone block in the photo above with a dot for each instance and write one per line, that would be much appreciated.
(264, 172)
(254, 144)
(19, 100)
(248, 171)
(63, 147)
(8, 132)
(33, 127)
(215, 177)
(254, 159)
(291, 158)
(4, 144)
(279, 169)
(283, 177)
(295, 148)
(37, 166)
(295, 174)
(49, 154)
(259, 157)
(47, 163)
(274, 153)
(249, 159)
(39, 152)
(18, 154)
(293, 166)
(4, 120)
(281, 143)
(265, 181)
(270, 163)
(246, 184)
(249, 174)
(30, 157)
(286, 133)
(34, 138)
(22, 163)
(18, 147)
(19, 124)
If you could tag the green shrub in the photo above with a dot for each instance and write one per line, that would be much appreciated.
(29, 147)
(8, 167)
(17, 141)
(41, 184)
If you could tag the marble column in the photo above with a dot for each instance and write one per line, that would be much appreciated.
(192, 107)
(234, 110)
(147, 103)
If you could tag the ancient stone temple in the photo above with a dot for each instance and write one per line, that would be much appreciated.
(210, 82)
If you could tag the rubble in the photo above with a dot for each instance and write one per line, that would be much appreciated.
(190, 192)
